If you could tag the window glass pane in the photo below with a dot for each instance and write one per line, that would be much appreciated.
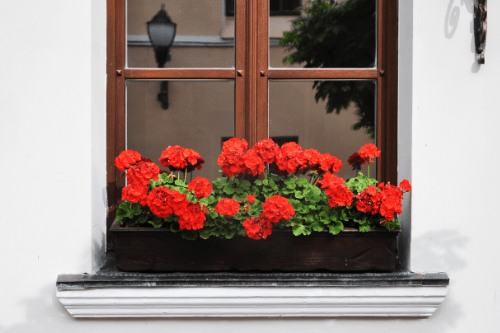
(200, 115)
(204, 36)
(325, 34)
(294, 115)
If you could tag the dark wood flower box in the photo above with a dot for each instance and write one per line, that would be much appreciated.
(149, 249)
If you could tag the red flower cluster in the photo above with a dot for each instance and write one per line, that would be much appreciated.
(266, 150)
(315, 161)
(290, 157)
(163, 202)
(339, 194)
(330, 163)
(192, 217)
(258, 228)
(236, 159)
(356, 161)
(369, 152)
(368, 200)
(135, 192)
(251, 198)
(390, 201)
(405, 185)
(142, 172)
(126, 159)
(177, 158)
(230, 158)
(277, 208)
(227, 207)
(253, 164)
(387, 202)
(201, 186)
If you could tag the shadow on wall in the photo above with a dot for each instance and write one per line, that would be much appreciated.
(452, 19)
(42, 313)
(437, 250)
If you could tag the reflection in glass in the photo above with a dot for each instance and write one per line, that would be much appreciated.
(325, 34)
(200, 115)
(294, 113)
(204, 36)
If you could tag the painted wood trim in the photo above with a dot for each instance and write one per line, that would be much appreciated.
(418, 302)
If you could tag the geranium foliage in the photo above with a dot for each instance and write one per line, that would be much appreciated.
(305, 194)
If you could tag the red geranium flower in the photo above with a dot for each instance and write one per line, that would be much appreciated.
(277, 208)
(135, 192)
(163, 202)
(390, 201)
(142, 172)
(356, 161)
(201, 187)
(312, 157)
(177, 158)
(330, 163)
(290, 157)
(258, 228)
(369, 152)
(368, 200)
(339, 194)
(253, 163)
(192, 217)
(230, 158)
(126, 159)
(227, 207)
(251, 198)
(266, 150)
(405, 185)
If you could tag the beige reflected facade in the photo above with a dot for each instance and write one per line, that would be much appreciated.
(201, 113)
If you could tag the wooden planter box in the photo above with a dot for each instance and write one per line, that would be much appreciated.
(149, 249)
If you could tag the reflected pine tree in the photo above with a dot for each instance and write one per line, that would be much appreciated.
(337, 35)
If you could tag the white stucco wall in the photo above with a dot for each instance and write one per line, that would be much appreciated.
(52, 134)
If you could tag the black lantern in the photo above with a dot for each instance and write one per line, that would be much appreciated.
(161, 31)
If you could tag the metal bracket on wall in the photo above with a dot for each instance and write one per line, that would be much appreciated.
(480, 28)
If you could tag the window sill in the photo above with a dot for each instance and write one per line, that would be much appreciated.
(111, 293)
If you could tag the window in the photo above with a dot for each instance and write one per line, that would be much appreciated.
(248, 84)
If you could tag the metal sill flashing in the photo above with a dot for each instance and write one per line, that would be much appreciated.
(112, 293)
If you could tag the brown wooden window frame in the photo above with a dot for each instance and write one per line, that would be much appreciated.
(251, 75)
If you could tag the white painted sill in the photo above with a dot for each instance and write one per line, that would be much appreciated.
(110, 293)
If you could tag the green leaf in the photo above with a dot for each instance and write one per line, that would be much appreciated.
(300, 229)
(335, 228)
(180, 183)
(360, 183)
(245, 185)
(290, 183)
(318, 226)
(303, 182)
(365, 228)
(205, 233)
(156, 222)
(299, 194)
(211, 200)
(142, 219)
(324, 217)
(191, 197)
(228, 189)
